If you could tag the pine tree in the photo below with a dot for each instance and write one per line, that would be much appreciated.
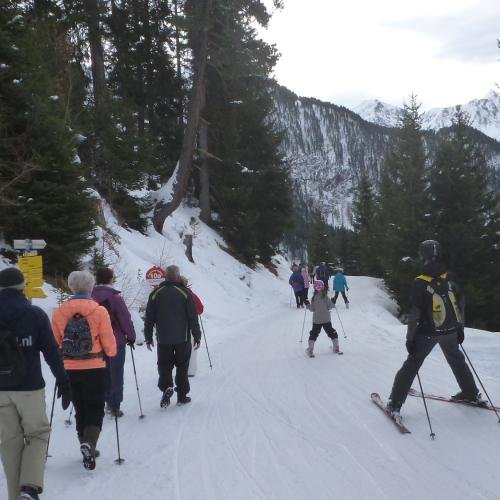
(465, 213)
(38, 84)
(403, 204)
(365, 227)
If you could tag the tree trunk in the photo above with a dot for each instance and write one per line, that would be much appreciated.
(206, 212)
(92, 8)
(178, 58)
(201, 11)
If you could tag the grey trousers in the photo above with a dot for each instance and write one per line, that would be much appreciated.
(423, 347)
(24, 432)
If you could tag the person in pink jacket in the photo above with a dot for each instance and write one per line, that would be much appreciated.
(83, 330)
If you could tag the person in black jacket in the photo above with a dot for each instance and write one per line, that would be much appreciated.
(436, 317)
(24, 427)
(171, 309)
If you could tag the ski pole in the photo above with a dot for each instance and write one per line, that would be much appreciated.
(68, 420)
(341, 325)
(425, 405)
(206, 345)
(477, 376)
(303, 324)
(51, 418)
(136, 384)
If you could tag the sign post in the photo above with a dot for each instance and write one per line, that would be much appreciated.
(31, 265)
(155, 276)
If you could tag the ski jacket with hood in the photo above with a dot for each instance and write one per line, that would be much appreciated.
(34, 334)
(121, 321)
(172, 310)
(418, 321)
(296, 281)
(320, 306)
(103, 339)
(340, 283)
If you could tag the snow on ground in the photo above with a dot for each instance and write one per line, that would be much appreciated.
(269, 423)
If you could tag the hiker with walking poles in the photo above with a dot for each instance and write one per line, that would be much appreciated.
(123, 328)
(172, 311)
(83, 330)
(25, 332)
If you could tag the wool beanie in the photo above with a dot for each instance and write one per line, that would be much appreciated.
(81, 282)
(12, 277)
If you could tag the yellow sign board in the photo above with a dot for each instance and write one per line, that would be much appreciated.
(32, 268)
(35, 293)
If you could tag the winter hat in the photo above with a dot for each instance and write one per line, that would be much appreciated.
(12, 277)
(81, 282)
(104, 276)
(319, 285)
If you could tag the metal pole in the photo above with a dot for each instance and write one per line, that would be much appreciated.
(341, 325)
(477, 376)
(425, 405)
(51, 418)
(206, 345)
(136, 383)
(119, 460)
(303, 324)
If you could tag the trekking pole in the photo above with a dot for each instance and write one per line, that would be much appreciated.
(303, 324)
(206, 345)
(425, 405)
(68, 420)
(341, 325)
(477, 376)
(119, 460)
(136, 384)
(51, 418)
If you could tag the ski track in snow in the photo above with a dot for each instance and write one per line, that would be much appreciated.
(269, 423)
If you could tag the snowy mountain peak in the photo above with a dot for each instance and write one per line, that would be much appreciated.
(484, 114)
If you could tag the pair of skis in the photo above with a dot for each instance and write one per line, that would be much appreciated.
(412, 392)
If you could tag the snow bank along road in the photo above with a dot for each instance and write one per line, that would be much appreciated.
(269, 423)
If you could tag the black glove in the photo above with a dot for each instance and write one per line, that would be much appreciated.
(196, 344)
(131, 343)
(64, 392)
(410, 346)
(460, 334)
(306, 302)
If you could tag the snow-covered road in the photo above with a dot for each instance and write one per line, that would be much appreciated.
(269, 423)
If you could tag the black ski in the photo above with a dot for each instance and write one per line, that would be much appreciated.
(418, 394)
(397, 421)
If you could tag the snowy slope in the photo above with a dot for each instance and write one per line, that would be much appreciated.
(484, 114)
(269, 423)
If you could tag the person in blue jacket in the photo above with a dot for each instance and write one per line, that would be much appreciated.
(25, 332)
(340, 286)
(297, 283)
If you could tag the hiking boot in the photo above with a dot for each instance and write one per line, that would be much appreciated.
(88, 456)
(310, 349)
(28, 493)
(183, 401)
(116, 413)
(165, 399)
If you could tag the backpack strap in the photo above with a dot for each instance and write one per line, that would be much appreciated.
(425, 277)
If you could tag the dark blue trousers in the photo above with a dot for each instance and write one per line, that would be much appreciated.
(114, 378)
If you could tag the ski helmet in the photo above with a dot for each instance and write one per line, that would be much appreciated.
(429, 250)
(319, 285)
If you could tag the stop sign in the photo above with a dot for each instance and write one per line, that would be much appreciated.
(155, 276)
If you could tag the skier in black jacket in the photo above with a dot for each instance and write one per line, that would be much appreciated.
(434, 319)
(24, 427)
(171, 308)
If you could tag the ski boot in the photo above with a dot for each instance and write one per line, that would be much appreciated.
(477, 399)
(165, 399)
(394, 411)
(336, 348)
(183, 401)
(310, 349)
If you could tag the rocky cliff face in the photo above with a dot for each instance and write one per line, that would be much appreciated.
(329, 146)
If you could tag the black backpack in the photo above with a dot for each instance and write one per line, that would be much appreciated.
(77, 340)
(444, 314)
(12, 362)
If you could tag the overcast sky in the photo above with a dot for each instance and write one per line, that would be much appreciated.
(346, 51)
